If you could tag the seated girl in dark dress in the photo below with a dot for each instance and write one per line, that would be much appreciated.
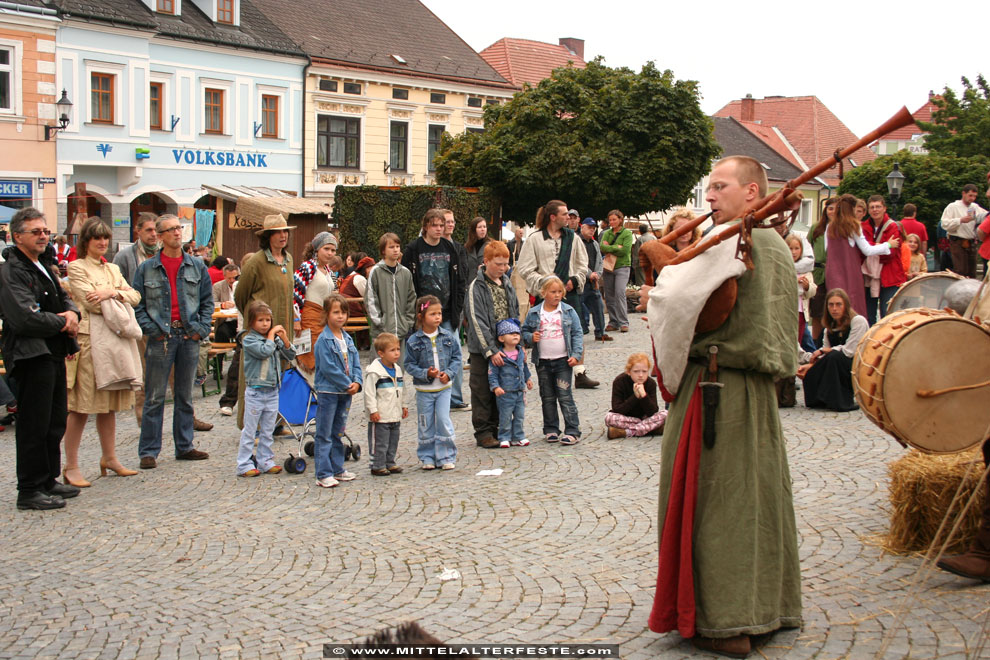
(827, 374)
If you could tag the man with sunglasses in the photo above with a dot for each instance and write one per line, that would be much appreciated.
(175, 313)
(39, 328)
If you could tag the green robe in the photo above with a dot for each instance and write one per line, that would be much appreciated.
(747, 578)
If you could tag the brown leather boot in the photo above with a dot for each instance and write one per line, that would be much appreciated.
(200, 425)
(732, 647)
(973, 565)
(582, 381)
(615, 433)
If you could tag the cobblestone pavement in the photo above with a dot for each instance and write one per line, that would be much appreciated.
(190, 561)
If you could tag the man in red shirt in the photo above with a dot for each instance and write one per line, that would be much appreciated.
(879, 228)
(175, 313)
(911, 225)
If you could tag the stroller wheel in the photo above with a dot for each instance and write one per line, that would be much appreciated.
(310, 448)
(290, 464)
(355, 452)
(299, 465)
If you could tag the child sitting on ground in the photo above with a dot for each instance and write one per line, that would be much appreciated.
(509, 382)
(264, 348)
(635, 411)
(385, 404)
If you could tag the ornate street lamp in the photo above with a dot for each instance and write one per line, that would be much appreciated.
(64, 105)
(895, 183)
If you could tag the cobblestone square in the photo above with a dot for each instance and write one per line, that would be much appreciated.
(189, 561)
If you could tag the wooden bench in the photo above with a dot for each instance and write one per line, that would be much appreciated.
(214, 365)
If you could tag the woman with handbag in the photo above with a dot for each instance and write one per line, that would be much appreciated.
(616, 247)
(92, 280)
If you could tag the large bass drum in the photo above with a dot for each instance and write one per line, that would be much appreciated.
(923, 291)
(925, 350)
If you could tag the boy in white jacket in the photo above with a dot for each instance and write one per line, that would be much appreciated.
(385, 404)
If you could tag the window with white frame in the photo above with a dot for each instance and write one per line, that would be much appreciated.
(699, 195)
(398, 146)
(804, 217)
(269, 116)
(7, 79)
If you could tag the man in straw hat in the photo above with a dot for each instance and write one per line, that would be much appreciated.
(267, 276)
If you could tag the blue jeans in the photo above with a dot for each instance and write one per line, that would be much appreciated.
(886, 293)
(555, 387)
(160, 358)
(331, 418)
(260, 408)
(436, 431)
(591, 301)
(511, 412)
(456, 398)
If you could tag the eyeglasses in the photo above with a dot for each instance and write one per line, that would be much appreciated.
(168, 229)
(37, 232)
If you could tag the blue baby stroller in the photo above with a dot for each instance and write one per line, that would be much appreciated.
(297, 406)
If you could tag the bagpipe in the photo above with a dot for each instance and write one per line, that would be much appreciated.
(765, 213)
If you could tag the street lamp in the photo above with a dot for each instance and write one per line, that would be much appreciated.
(895, 183)
(64, 105)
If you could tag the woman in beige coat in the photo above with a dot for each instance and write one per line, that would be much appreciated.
(91, 281)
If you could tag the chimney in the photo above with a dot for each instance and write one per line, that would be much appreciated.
(576, 46)
(748, 109)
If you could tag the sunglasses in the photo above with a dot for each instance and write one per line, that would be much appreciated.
(37, 232)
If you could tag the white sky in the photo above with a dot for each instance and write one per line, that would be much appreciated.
(863, 59)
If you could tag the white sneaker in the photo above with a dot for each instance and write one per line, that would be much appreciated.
(520, 443)
(345, 476)
(429, 466)
(503, 444)
(226, 410)
(327, 482)
(447, 466)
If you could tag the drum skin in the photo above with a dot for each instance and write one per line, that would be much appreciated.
(926, 290)
(925, 349)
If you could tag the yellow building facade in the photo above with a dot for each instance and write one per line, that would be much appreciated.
(368, 128)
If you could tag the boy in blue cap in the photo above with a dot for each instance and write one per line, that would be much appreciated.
(509, 383)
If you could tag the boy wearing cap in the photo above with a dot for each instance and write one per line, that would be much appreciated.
(490, 298)
(509, 383)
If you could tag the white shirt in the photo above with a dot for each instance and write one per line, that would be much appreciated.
(552, 345)
(956, 210)
(881, 249)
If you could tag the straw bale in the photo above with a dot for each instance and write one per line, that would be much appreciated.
(922, 487)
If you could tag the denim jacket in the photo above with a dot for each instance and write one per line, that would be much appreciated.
(419, 355)
(512, 375)
(332, 376)
(573, 337)
(154, 312)
(262, 367)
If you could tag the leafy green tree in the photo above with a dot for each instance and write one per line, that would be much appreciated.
(931, 181)
(598, 138)
(961, 126)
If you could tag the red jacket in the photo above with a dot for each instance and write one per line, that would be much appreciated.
(892, 268)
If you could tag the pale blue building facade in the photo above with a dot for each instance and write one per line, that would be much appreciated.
(165, 103)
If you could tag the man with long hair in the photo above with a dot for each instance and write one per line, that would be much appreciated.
(553, 249)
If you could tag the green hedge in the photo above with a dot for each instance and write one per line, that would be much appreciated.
(363, 213)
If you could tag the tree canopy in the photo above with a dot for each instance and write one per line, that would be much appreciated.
(597, 138)
(931, 181)
(961, 125)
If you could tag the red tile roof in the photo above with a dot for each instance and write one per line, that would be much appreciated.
(924, 113)
(810, 127)
(774, 140)
(524, 61)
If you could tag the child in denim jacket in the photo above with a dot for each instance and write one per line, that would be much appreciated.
(338, 378)
(264, 347)
(509, 382)
(432, 355)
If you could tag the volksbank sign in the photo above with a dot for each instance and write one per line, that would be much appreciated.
(219, 158)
